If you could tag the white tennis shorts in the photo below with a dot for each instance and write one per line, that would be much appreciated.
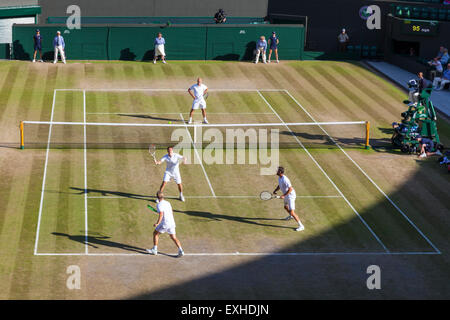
(176, 176)
(159, 50)
(165, 229)
(290, 203)
(199, 103)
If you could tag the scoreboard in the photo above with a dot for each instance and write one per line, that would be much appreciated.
(420, 27)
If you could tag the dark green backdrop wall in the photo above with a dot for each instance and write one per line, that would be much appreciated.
(183, 42)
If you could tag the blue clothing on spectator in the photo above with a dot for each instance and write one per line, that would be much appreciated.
(429, 144)
(444, 59)
(273, 42)
(261, 44)
(159, 41)
(37, 42)
(59, 41)
(446, 74)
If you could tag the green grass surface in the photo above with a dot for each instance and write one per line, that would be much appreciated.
(120, 183)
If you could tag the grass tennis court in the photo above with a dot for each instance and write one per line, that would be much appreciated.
(84, 203)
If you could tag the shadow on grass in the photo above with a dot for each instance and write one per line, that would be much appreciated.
(220, 217)
(95, 241)
(144, 116)
(106, 193)
(323, 141)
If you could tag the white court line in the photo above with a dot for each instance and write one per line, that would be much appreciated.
(85, 177)
(367, 176)
(326, 175)
(204, 197)
(208, 254)
(212, 125)
(169, 89)
(177, 113)
(199, 159)
(45, 174)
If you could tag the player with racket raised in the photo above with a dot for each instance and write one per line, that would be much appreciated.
(173, 161)
(289, 196)
(165, 223)
(198, 92)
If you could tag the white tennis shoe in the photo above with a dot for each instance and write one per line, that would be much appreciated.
(152, 251)
(180, 253)
(300, 228)
(182, 198)
(288, 218)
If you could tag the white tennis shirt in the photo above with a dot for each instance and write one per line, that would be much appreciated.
(167, 221)
(199, 91)
(173, 162)
(285, 184)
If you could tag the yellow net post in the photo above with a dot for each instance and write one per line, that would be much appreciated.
(367, 134)
(21, 135)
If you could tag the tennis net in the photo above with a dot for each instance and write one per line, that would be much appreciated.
(46, 134)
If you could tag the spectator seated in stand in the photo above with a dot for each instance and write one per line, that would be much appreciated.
(220, 16)
(442, 80)
(436, 65)
(445, 58)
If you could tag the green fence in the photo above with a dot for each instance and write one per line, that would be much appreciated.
(157, 20)
(183, 42)
(4, 51)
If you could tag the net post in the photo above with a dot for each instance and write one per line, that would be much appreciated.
(367, 135)
(21, 135)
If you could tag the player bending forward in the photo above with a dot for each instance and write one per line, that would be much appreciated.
(289, 197)
(197, 92)
(165, 223)
(172, 170)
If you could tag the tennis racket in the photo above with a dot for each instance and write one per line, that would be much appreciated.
(152, 151)
(151, 208)
(266, 195)
(206, 96)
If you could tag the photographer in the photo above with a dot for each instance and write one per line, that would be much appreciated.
(220, 17)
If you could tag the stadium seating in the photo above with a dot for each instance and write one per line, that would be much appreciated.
(440, 13)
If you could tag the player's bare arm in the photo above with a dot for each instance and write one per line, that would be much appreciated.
(190, 92)
(276, 189)
(160, 217)
(287, 192)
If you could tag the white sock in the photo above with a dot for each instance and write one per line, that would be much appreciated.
(180, 249)
(190, 119)
(181, 193)
(204, 118)
(155, 248)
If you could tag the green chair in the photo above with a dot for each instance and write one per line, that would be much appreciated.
(357, 50)
(442, 14)
(415, 13)
(407, 12)
(433, 13)
(424, 13)
(365, 51)
(373, 51)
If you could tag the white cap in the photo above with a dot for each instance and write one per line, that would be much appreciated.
(343, 30)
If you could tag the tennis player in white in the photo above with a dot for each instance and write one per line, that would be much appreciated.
(289, 196)
(197, 92)
(172, 169)
(165, 224)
